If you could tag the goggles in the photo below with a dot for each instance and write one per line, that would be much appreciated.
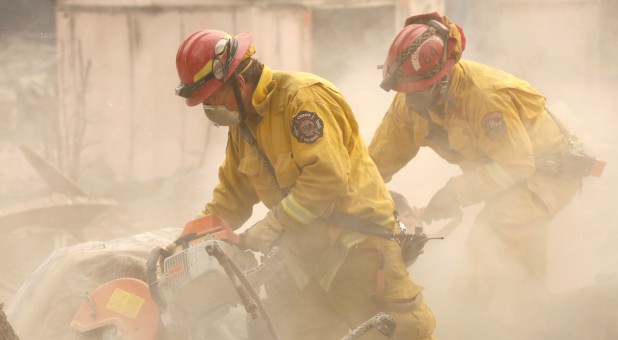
(223, 56)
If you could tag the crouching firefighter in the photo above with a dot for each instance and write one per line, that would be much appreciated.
(517, 159)
(294, 145)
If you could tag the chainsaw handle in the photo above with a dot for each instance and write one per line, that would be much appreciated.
(151, 276)
(211, 225)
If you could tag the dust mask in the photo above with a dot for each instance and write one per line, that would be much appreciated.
(221, 115)
(422, 100)
(419, 101)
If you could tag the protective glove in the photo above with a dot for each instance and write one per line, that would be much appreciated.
(443, 204)
(412, 247)
(408, 215)
(401, 203)
(263, 235)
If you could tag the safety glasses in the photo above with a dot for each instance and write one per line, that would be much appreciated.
(223, 56)
(224, 53)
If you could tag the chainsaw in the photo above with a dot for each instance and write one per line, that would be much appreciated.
(172, 303)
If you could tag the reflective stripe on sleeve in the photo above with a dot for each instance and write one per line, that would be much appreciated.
(297, 211)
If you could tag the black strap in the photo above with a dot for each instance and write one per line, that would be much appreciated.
(569, 137)
(362, 226)
(247, 135)
(341, 220)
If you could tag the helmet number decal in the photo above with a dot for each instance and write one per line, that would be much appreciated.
(307, 127)
(427, 58)
(494, 125)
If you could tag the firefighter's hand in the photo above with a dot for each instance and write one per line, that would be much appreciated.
(443, 204)
(263, 235)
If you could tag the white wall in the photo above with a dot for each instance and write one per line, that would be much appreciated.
(136, 125)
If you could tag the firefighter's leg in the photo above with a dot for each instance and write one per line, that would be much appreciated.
(302, 314)
(508, 243)
(510, 233)
(506, 257)
(374, 279)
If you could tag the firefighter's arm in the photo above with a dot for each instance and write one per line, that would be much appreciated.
(319, 134)
(504, 141)
(321, 131)
(233, 198)
(395, 142)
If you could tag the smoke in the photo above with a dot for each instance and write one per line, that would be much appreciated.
(582, 257)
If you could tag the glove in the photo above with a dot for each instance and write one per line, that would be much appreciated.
(443, 204)
(401, 203)
(263, 235)
(412, 247)
(407, 215)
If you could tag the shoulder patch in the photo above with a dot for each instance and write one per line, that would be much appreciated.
(494, 125)
(307, 127)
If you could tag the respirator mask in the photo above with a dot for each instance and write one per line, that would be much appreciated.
(422, 100)
(221, 115)
(419, 101)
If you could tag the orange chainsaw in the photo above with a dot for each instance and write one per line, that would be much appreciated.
(173, 304)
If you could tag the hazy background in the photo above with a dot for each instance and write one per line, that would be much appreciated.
(577, 76)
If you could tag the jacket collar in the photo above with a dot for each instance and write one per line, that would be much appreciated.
(263, 91)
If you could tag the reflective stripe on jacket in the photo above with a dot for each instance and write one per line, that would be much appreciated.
(325, 167)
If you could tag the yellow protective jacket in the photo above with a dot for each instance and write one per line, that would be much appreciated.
(492, 125)
(310, 136)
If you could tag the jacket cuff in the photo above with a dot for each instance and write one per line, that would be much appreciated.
(285, 219)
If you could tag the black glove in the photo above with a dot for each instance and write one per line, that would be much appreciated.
(412, 247)
(443, 204)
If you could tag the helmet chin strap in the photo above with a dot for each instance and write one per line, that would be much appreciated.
(422, 100)
(444, 85)
(238, 97)
(443, 89)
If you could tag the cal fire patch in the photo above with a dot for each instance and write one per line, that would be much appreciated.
(494, 125)
(307, 127)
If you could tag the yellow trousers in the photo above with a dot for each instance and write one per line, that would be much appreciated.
(372, 279)
(510, 232)
(505, 264)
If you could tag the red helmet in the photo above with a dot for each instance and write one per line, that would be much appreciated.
(206, 59)
(417, 58)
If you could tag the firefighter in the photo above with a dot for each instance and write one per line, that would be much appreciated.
(294, 145)
(512, 151)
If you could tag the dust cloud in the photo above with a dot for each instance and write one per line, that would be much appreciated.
(582, 258)
(582, 254)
